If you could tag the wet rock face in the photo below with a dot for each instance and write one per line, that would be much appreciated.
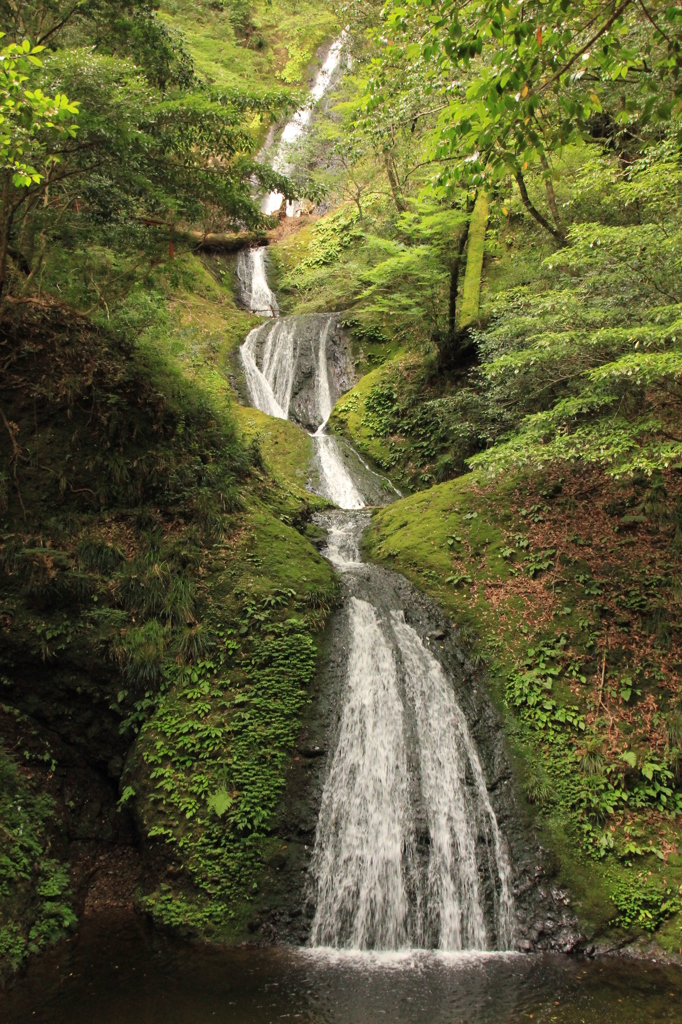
(304, 335)
(544, 920)
(304, 397)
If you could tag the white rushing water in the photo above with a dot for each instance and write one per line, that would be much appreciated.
(270, 383)
(295, 128)
(405, 759)
(337, 482)
(270, 355)
(371, 890)
(456, 814)
(364, 819)
(253, 282)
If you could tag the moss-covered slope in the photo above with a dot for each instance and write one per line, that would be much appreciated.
(565, 588)
(159, 617)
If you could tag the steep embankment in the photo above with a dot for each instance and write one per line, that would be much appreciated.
(161, 604)
(160, 610)
(565, 591)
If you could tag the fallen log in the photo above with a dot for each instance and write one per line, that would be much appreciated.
(213, 241)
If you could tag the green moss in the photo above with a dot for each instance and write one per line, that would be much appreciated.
(35, 899)
(208, 767)
(271, 52)
(286, 448)
(471, 290)
(352, 416)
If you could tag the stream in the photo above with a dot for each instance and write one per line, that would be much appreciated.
(117, 970)
(425, 902)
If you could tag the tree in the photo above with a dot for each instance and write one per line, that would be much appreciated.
(33, 126)
(142, 162)
(524, 79)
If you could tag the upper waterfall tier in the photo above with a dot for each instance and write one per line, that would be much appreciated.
(297, 366)
(294, 129)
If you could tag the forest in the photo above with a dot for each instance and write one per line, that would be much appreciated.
(490, 198)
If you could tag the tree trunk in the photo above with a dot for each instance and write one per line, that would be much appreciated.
(400, 203)
(471, 292)
(6, 213)
(557, 235)
(551, 198)
(454, 284)
(222, 242)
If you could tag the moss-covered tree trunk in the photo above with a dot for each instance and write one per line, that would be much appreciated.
(456, 347)
(471, 292)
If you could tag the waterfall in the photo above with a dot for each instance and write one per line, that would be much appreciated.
(270, 356)
(253, 283)
(337, 483)
(371, 889)
(298, 124)
(364, 823)
(457, 814)
(408, 851)
(270, 383)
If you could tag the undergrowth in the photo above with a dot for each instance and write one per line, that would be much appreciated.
(35, 898)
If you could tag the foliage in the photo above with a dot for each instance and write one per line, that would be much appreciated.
(598, 381)
(645, 904)
(27, 115)
(525, 80)
(157, 150)
(130, 563)
(214, 752)
(34, 887)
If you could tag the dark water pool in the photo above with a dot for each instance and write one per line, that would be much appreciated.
(117, 971)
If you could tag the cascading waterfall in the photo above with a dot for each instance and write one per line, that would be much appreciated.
(270, 356)
(457, 814)
(408, 851)
(270, 383)
(338, 484)
(364, 823)
(295, 128)
(253, 282)
(371, 886)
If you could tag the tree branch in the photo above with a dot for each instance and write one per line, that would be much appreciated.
(60, 24)
(557, 235)
(605, 27)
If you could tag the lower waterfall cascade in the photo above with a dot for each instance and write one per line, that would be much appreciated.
(408, 852)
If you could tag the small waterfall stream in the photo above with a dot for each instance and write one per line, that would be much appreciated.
(295, 128)
(408, 851)
(253, 282)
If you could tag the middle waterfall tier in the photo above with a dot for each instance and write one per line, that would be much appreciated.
(256, 293)
(297, 366)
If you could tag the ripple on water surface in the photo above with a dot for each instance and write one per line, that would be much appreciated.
(117, 971)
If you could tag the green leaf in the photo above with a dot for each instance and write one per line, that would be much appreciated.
(220, 801)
